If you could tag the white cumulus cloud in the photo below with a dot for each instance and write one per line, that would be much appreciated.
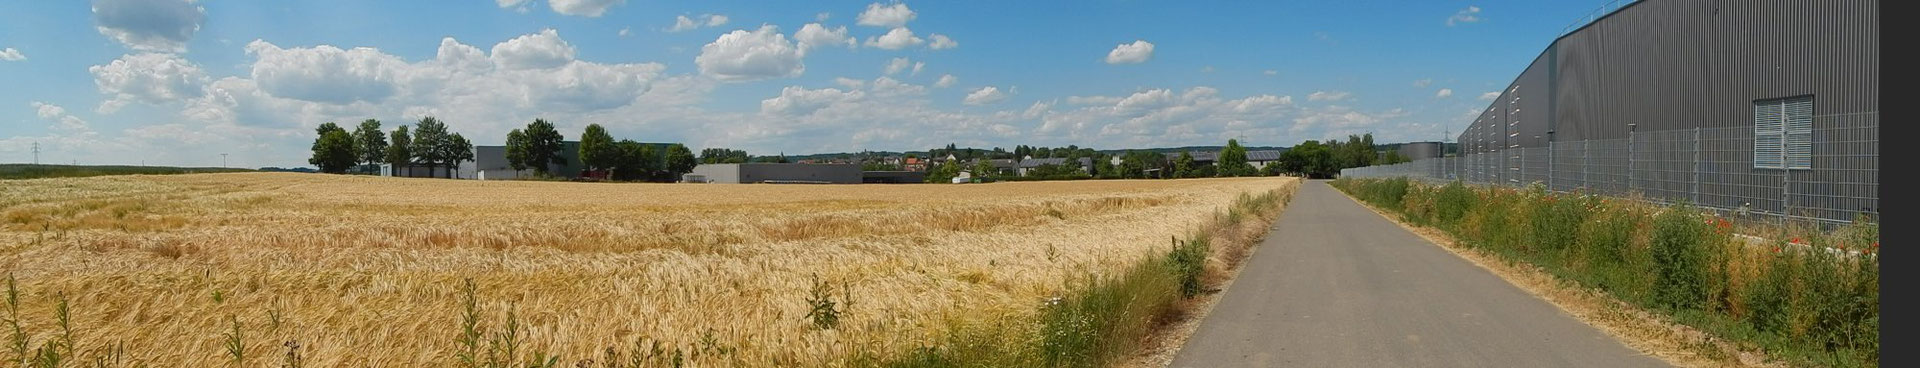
(1444, 93)
(889, 87)
(149, 25)
(325, 73)
(683, 23)
(1327, 96)
(535, 51)
(796, 100)
(1131, 53)
(814, 35)
(942, 42)
(742, 56)
(877, 15)
(585, 8)
(985, 96)
(1489, 96)
(153, 78)
(64, 122)
(946, 80)
(897, 64)
(1469, 15)
(898, 38)
(10, 54)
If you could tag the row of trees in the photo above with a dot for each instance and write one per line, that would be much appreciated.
(1312, 158)
(630, 160)
(1317, 159)
(535, 147)
(428, 144)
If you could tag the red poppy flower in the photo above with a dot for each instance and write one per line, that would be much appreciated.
(1776, 249)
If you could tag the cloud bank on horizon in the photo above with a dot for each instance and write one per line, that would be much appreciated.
(179, 82)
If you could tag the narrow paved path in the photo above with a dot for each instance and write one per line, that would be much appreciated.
(1336, 285)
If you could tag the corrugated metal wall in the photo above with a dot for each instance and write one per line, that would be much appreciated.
(1686, 73)
(1682, 64)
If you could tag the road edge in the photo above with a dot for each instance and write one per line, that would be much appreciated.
(1158, 349)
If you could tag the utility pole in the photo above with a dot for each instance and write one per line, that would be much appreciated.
(223, 160)
(36, 153)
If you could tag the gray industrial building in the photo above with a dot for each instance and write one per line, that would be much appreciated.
(775, 173)
(1767, 107)
(1420, 150)
(490, 163)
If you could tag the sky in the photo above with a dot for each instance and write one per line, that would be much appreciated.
(181, 82)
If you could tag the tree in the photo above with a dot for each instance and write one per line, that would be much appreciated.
(1233, 160)
(429, 135)
(944, 173)
(984, 169)
(1310, 159)
(596, 148)
(333, 150)
(399, 154)
(370, 142)
(1358, 151)
(517, 150)
(1142, 165)
(456, 150)
(722, 156)
(636, 161)
(543, 146)
(679, 161)
(1183, 166)
(1103, 167)
(1392, 157)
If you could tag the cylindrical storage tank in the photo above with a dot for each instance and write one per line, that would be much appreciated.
(1420, 150)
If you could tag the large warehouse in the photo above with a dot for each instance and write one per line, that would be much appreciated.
(775, 173)
(1766, 106)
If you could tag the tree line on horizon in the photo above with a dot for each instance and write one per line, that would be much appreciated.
(1312, 158)
(536, 147)
(428, 144)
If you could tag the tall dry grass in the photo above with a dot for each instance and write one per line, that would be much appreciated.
(194, 270)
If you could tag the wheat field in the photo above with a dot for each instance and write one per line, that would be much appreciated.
(250, 269)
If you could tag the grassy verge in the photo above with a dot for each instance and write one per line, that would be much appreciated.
(1800, 302)
(1102, 320)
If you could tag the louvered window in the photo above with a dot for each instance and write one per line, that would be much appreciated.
(1783, 133)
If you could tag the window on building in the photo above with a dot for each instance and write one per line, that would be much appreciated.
(1783, 133)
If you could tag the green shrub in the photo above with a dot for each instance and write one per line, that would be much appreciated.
(1679, 256)
(1452, 203)
(1188, 261)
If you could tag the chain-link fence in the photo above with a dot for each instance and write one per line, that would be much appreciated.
(1709, 167)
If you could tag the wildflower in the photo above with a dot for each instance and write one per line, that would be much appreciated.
(1776, 249)
(1796, 240)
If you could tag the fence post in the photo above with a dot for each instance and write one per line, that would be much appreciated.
(1630, 183)
(1586, 164)
(1696, 166)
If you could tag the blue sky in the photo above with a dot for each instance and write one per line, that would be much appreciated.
(172, 82)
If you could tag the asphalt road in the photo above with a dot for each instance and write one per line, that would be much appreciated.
(1336, 285)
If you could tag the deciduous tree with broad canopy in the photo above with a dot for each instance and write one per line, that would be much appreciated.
(333, 149)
